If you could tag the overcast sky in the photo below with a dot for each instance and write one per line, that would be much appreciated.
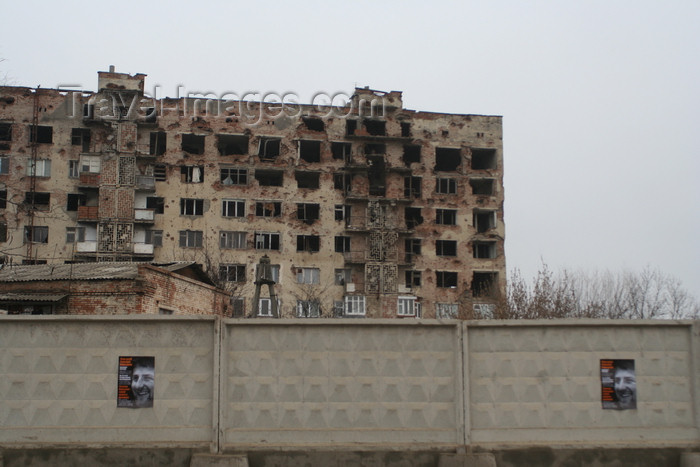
(600, 99)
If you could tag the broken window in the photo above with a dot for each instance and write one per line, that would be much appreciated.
(308, 212)
(40, 134)
(343, 276)
(268, 208)
(446, 216)
(73, 169)
(412, 247)
(269, 147)
(233, 208)
(376, 175)
(4, 165)
(39, 168)
(484, 220)
(308, 276)
(342, 182)
(159, 172)
(233, 240)
(154, 237)
(405, 129)
(342, 151)
(269, 177)
(232, 272)
(446, 279)
(484, 249)
(267, 241)
(342, 212)
(309, 243)
(3, 199)
(36, 234)
(446, 247)
(342, 244)
(447, 159)
(5, 131)
(484, 284)
(350, 127)
(483, 159)
(75, 234)
(413, 217)
(446, 310)
(375, 127)
(238, 306)
(446, 186)
(481, 186)
(3, 231)
(233, 176)
(308, 309)
(375, 149)
(157, 144)
(81, 137)
(413, 279)
(313, 123)
(191, 238)
(38, 200)
(191, 207)
(308, 180)
(90, 164)
(157, 203)
(74, 200)
(310, 151)
(411, 153)
(231, 145)
(412, 187)
(192, 173)
(193, 144)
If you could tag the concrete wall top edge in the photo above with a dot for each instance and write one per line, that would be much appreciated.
(579, 322)
(102, 318)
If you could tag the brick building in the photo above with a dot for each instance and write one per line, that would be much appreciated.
(368, 209)
(110, 288)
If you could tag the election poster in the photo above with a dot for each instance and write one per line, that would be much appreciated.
(618, 384)
(136, 382)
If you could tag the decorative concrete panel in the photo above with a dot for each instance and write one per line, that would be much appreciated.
(59, 381)
(524, 378)
(340, 383)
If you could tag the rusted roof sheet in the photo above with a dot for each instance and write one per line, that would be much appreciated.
(31, 297)
(77, 271)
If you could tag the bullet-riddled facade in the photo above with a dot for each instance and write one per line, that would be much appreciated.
(364, 210)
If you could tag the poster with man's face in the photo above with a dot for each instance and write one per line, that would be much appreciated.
(619, 384)
(136, 382)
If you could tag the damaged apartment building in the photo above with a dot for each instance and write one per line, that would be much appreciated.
(369, 211)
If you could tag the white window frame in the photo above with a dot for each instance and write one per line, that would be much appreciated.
(190, 207)
(446, 310)
(408, 306)
(191, 238)
(42, 168)
(233, 240)
(73, 168)
(90, 164)
(265, 307)
(75, 234)
(233, 208)
(240, 176)
(263, 241)
(342, 276)
(308, 276)
(235, 268)
(355, 305)
(308, 309)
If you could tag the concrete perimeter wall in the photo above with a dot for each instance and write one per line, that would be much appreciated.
(247, 385)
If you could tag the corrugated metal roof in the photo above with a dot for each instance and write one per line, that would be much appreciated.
(31, 297)
(80, 271)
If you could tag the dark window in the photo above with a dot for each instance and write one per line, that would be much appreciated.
(406, 129)
(343, 276)
(350, 127)
(191, 207)
(192, 173)
(39, 200)
(308, 212)
(447, 159)
(446, 216)
(481, 186)
(310, 151)
(308, 243)
(374, 149)
(413, 279)
(376, 175)
(484, 249)
(75, 200)
(193, 144)
(484, 221)
(269, 177)
(3, 199)
(484, 284)
(342, 151)
(446, 279)
(342, 212)
(342, 182)
(154, 237)
(40, 134)
(308, 180)
(4, 165)
(342, 244)
(313, 123)
(232, 272)
(158, 143)
(446, 247)
(3, 232)
(159, 172)
(412, 247)
(413, 217)
(483, 159)
(230, 145)
(156, 203)
(238, 305)
(36, 234)
(267, 241)
(229, 239)
(5, 131)
(191, 238)
(412, 187)
(81, 137)
(233, 176)
(268, 208)
(411, 153)
(269, 148)
(375, 127)
(233, 208)
(446, 186)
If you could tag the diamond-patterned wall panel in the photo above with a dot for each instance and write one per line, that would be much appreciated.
(336, 383)
(60, 380)
(549, 376)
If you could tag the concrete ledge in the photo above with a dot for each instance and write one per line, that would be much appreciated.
(219, 460)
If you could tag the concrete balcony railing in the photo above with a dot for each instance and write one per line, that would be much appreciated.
(145, 182)
(144, 215)
(86, 247)
(89, 179)
(143, 249)
(88, 213)
(354, 257)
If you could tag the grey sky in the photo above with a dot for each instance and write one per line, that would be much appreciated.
(599, 98)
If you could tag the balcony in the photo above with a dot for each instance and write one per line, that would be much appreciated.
(143, 249)
(88, 213)
(144, 215)
(86, 247)
(145, 183)
(356, 257)
(89, 180)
